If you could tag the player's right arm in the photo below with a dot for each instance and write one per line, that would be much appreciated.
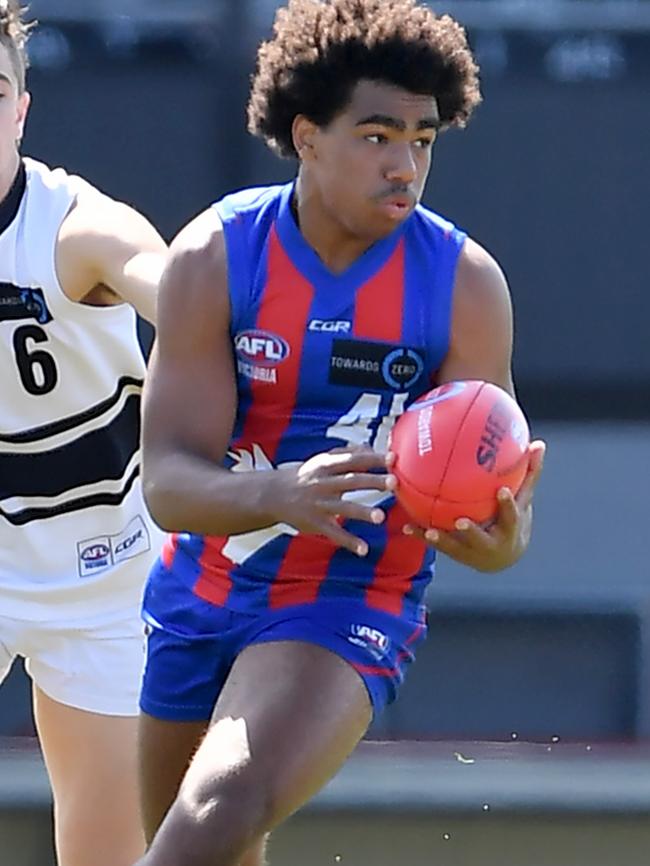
(189, 412)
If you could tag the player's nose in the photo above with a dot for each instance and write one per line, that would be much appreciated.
(402, 166)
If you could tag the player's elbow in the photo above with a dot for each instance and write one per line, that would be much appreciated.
(159, 499)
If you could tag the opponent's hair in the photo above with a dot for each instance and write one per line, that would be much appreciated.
(320, 49)
(14, 32)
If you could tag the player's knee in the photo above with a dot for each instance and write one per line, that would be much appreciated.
(235, 809)
(84, 836)
(236, 799)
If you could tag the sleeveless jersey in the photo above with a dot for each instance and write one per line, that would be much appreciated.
(322, 361)
(75, 539)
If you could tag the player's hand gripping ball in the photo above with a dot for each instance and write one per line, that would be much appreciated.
(455, 448)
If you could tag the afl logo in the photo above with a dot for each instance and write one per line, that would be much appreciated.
(95, 553)
(261, 348)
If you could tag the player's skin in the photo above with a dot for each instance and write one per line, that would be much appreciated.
(106, 254)
(290, 713)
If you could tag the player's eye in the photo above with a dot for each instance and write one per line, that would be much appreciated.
(376, 138)
(423, 143)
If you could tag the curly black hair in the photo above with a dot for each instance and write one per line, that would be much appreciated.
(14, 32)
(320, 49)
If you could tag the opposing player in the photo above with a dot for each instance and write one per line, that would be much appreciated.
(296, 323)
(76, 542)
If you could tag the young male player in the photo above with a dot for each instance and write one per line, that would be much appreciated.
(76, 541)
(296, 324)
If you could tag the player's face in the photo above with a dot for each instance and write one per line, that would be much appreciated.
(373, 160)
(13, 111)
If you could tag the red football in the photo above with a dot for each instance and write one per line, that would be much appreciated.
(455, 448)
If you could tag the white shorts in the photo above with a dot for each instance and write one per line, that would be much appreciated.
(97, 669)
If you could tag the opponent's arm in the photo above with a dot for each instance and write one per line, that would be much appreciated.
(108, 245)
(481, 348)
(189, 411)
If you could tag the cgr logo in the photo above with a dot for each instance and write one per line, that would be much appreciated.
(330, 326)
(128, 542)
(261, 348)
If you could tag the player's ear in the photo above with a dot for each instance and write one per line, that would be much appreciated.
(22, 107)
(303, 133)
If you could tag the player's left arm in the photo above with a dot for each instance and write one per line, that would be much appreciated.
(481, 348)
(108, 244)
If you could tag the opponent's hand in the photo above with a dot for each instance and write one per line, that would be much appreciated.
(310, 496)
(501, 544)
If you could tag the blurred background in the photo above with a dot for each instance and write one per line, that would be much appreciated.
(532, 694)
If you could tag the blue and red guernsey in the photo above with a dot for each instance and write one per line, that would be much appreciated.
(323, 360)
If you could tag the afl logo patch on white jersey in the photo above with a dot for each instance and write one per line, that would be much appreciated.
(98, 554)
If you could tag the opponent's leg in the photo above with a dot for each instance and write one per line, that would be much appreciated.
(289, 715)
(164, 752)
(91, 762)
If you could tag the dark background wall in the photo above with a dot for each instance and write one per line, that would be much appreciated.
(552, 175)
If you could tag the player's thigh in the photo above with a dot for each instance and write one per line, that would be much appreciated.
(165, 749)
(288, 716)
(83, 749)
(92, 764)
(185, 671)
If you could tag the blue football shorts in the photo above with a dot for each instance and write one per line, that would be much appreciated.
(192, 647)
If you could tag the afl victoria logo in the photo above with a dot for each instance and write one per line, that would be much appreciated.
(94, 556)
(261, 348)
(95, 552)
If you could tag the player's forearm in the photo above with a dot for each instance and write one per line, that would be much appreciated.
(185, 493)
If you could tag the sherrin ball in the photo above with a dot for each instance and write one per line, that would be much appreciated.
(455, 448)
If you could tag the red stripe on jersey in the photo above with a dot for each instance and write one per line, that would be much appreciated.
(169, 548)
(290, 586)
(284, 311)
(214, 582)
(377, 315)
(379, 303)
(401, 559)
